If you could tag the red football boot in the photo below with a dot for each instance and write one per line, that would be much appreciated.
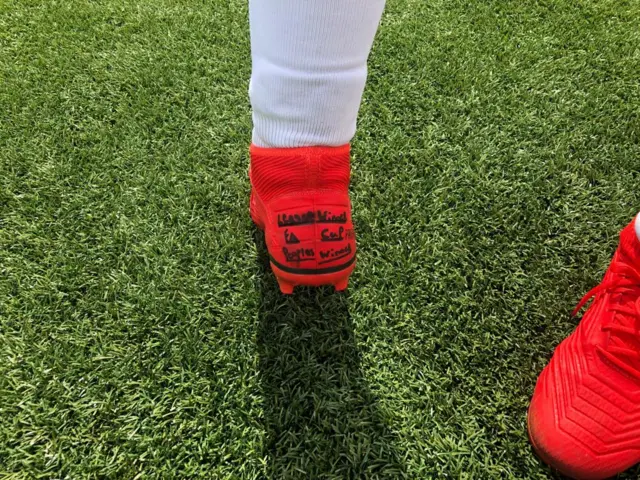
(300, 198)
(584, 418)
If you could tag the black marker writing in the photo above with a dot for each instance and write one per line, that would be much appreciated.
(327, 235)
(333, 254)
(289, 220)
(306, 218)
(299, 255)
(325, 216)
(290, 237)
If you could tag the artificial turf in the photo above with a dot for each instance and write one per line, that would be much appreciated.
(141, 332)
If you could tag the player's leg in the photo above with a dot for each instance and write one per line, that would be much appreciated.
(309, 72)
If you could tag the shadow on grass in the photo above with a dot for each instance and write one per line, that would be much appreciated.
(320, 417)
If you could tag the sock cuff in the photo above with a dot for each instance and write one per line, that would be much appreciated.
(276, 172)
(258, 151)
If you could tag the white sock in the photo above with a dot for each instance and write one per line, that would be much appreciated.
(637, 226)
(309, 69)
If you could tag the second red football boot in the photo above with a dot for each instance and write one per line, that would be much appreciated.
(300, 198)
(584, 418)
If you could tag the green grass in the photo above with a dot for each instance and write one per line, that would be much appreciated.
(142, 335)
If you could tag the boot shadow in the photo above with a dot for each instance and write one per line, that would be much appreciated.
(320, 418)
